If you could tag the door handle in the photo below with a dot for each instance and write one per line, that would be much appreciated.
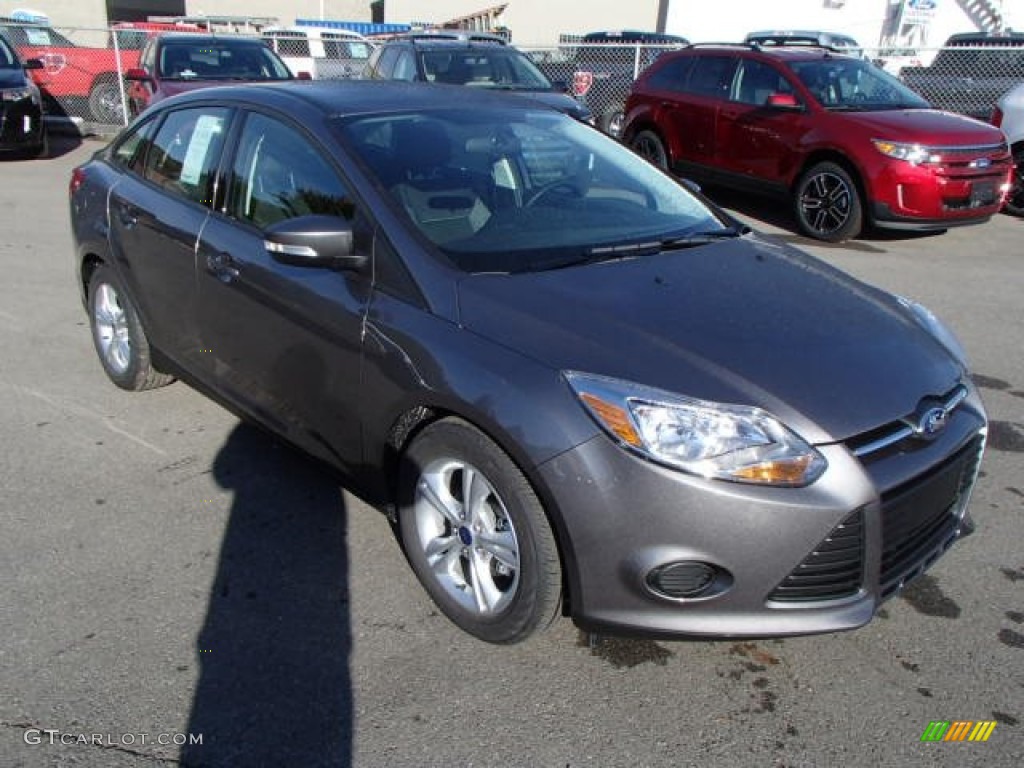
(222, 266)
(128, 215)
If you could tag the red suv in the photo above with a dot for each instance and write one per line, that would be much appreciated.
(845, 141)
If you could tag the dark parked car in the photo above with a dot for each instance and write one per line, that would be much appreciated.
(843, 140)
(576, 385)
(476, 61)
(173, 63)
(604, 66)
(21, 106)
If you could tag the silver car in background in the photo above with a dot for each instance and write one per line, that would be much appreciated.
(1009, 115)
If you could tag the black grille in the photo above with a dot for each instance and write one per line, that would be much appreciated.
(835, 568)
(921, 519)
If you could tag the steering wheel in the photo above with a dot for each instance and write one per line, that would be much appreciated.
(568, 186)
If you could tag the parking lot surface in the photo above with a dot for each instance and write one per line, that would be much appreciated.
(172, 575)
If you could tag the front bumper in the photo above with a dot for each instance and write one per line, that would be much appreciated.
(625, 517)
(21, 125)
(958, 191)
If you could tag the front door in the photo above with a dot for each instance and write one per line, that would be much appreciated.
(284, 342)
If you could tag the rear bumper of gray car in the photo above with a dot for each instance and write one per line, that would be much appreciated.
(653, 550)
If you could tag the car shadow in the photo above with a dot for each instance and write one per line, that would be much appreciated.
(62, 143)
(778, 213)
(274, 686)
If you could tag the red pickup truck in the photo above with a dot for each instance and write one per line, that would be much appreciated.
(76, 80)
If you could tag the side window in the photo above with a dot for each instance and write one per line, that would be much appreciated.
(186, 152)
(130, 151)
(672, 75)
(278, 174)
(386, 63)
(405, 67)
(712, 76)
(756, 81)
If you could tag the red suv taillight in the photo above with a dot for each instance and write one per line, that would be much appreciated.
(997, 117)
(77, 180)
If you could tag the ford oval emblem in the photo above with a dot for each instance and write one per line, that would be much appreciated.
(932, 422)
(981, 162)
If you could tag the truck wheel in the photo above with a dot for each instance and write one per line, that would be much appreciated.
(105, 102)
(611, 122)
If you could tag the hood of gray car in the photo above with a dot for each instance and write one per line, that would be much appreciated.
(742, 321)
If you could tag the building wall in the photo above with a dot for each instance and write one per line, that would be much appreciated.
(535, 22)
(93, 13)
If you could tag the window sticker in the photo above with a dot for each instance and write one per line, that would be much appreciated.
(207, 126)
(38, 37)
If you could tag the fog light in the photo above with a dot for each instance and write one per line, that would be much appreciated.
(683, 579)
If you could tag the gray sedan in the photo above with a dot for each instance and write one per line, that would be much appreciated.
(576, 386)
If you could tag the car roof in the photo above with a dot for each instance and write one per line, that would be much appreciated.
(179, 37)
(780, 52)
(351, 97)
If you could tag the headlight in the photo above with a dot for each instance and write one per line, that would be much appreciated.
(914, 154)
(927, 320)
(17, 94)
(725, 442)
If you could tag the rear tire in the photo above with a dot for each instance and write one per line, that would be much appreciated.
(1015, 200)
(651, 148)
(118, 336)
(827, 204)
(476, 535)
(105, 102)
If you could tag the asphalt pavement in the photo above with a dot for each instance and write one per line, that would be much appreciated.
(178, 588)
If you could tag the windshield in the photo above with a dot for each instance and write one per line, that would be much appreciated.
(491, 67)
(220, 60)
(525, 190)
(855, 85)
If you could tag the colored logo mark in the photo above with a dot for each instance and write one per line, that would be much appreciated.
(958, 730)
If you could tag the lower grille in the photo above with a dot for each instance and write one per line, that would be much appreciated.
(921, 519)
(835, 568)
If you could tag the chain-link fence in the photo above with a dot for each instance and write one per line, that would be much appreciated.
(83, 79)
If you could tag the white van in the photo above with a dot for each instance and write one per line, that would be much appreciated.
(323, 52)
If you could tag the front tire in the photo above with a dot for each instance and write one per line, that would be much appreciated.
(476, 535)
(827, 204)
(651, 148)
(118, 336)
(1015, 200)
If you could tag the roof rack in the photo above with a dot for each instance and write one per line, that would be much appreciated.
(459, 35)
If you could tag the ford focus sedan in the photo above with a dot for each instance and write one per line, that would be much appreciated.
(576, 387)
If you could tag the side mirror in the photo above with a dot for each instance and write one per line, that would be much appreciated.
(314, 241)
(138, 75)
(783, 101)
(34, 64)
(303, 76)
(561, 86)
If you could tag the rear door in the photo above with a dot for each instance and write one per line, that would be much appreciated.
(685, 95)
(156, 214)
